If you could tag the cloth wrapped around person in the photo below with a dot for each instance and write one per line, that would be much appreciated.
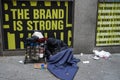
(60, 59)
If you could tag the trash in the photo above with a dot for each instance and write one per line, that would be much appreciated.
(81, 54)
(86, 62)
(21, 62)
(102, 54)
(96, 57)
(41, 55)
(40, 66)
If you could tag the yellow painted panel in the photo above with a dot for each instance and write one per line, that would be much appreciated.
(14, 2)
(62, 36)
(58, 3)
(11, 41)
(21, 45)
(67, 24)
(6, 26)
(5, 6)
(47, 3)
(23, 4)
(33, 3)
(6, 17)
(55, 34)
(21, 35)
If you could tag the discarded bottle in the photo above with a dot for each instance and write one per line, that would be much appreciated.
(42, 66)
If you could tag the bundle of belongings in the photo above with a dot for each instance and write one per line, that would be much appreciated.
(60, 59)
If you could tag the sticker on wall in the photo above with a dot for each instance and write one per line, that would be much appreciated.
(108, 23)
(21, 18)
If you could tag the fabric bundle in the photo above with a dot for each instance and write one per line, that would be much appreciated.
(63, 65)
(60, 59)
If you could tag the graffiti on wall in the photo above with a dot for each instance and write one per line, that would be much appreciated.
(21, 18)
(108, 24)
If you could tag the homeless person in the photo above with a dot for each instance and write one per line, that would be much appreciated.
(60, 59)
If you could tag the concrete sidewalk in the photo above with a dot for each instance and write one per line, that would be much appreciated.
(11, 69)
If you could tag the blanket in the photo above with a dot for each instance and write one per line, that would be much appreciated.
(63, 64)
